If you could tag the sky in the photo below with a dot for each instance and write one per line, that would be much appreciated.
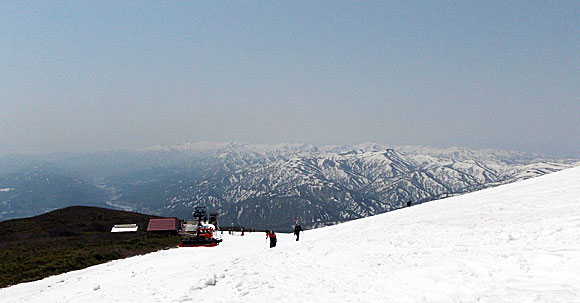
(97, 75)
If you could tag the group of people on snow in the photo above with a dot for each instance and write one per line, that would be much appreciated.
(272, 236)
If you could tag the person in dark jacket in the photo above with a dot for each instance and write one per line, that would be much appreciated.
(297, 230)
(272, 236)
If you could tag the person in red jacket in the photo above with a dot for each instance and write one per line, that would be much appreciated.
(272, 236)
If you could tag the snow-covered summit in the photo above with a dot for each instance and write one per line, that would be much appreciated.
(245, 182)
(514, 243)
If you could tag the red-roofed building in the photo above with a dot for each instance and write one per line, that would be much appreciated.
(171, 225)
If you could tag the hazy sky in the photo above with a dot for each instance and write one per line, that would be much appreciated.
(93, 75)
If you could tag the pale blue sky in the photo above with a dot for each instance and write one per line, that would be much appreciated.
(93, 75)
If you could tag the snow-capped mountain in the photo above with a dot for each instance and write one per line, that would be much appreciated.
(513, 243)
(268, 186)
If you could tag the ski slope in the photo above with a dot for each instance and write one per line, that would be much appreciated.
(515, 243)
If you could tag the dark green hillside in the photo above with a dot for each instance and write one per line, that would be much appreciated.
(69, 239)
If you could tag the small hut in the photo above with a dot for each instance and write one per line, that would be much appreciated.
(124, 228)
(164, 225)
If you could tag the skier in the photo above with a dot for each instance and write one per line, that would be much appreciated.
(272, 236)
(297, 230)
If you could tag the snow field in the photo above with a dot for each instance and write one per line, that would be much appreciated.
(515, 243)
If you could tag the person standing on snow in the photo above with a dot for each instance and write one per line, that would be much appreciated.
(297, 230)
(272, 236)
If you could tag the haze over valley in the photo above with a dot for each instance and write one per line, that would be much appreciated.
(259, 186)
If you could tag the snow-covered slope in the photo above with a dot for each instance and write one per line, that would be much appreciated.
(514, 243)
(322, 185)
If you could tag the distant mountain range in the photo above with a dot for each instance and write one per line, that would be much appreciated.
(259, 186)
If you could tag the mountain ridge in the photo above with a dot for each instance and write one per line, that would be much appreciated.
(251, 185)
(513, 243)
